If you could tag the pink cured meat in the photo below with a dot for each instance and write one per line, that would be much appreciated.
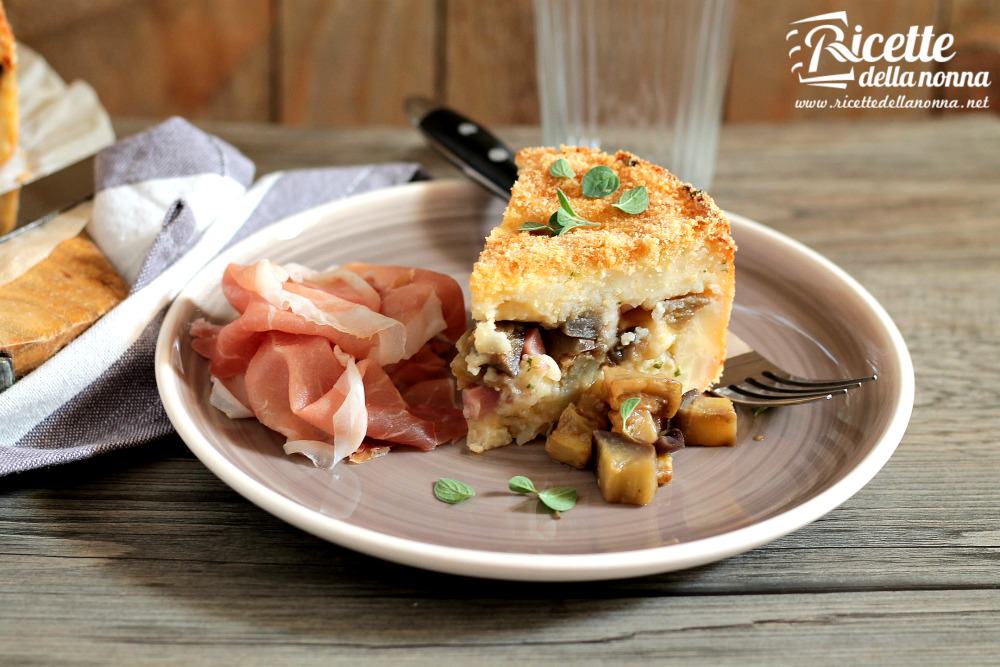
(385, 278)
(289, 359)
(391, 418)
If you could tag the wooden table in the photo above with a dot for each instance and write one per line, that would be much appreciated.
(144, 556)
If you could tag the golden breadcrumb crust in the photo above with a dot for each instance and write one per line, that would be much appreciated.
(678, 219)
(8, 89)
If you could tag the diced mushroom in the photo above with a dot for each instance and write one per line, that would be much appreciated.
(708, 421)
(587, 325)
(626, 470)
(562, 348)
(570, 442)
(510, 363)
(681, 309)
(669, 441)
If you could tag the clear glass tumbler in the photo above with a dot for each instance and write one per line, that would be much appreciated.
(647, 76)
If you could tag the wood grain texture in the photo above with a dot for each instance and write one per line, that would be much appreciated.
(490, 60)
(144, 556)
(199, 58)
(976, 26)
(344, 62)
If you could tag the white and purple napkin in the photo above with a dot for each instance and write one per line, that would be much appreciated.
(167, 201)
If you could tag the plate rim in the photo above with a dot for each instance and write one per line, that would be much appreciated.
(526, 566)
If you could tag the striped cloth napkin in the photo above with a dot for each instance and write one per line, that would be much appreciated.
(166, 202)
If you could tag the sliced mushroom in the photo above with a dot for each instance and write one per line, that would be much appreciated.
(587, 325)
(670, 441)
(562, 347)
(681, 309)
(510, 362)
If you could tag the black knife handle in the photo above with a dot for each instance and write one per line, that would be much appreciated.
(471, 148)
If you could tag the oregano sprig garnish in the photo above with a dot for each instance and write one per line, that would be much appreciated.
(558, 499)
(561, 169)
(633, 201)
(563, 220)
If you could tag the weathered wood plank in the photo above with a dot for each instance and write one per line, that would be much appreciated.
(490, 60)
(158, 57)
(248, 626)
(353, 63)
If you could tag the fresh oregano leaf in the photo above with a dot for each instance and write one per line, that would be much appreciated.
(600, 182)
(566, 222)
(561, 169)
(561, 499)
(521, 484)
(633, 201)
(564, 204)
(452, 491)
(628, 407)
(534, 227)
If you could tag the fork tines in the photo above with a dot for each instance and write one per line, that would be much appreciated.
(771, 388)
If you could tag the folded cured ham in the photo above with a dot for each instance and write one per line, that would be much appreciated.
(344, 363)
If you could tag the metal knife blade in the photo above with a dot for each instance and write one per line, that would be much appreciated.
(44, 199)
(466, 144)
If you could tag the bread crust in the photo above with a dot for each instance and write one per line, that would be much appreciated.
(679, 218)
(8, 89)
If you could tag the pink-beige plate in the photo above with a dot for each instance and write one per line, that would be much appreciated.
(792, 305)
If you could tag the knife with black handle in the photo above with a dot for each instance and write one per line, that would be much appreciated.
(466, 144)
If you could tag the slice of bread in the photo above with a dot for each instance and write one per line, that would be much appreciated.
(8, 89)
(662, 281)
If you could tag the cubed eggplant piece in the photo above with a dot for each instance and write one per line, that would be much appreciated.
(593, 405)
(622, 383)
(664, 468)
(510, 363)
(587, 325)
(642, 424)
(571, 441)
(626, 470)
(707, 420)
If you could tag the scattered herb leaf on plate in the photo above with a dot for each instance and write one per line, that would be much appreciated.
(452, 491)
(561, 499)
(521, 484)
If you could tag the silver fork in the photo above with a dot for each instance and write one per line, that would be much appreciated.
(752, 380)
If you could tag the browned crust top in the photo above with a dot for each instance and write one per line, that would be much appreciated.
(679, 217)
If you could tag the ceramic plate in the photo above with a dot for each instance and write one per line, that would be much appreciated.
(791, 304)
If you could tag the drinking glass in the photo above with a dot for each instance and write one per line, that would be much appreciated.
(648, 76)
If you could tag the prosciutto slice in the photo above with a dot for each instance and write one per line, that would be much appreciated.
(344, 363)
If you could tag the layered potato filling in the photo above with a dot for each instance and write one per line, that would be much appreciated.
(518, 377)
